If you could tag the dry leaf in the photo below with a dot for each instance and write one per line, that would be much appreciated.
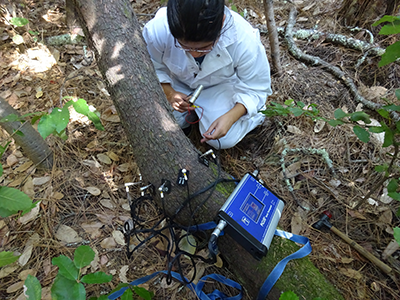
(391, 248)
(58, 196)
(94, 265)
(93, 190)
(11, 160)
(15, 287)
(7, 270)
(113, 156)
(351, 273)
(296, 223)
(21, 297)
(385, 197)
(106, 218)
(24, 167)
(91, 163)
(104, 260)
(123, 167)
(4, 232)
(219, 262)
(104, 158)
(108, 243)
(41, 180)
(28, 187)
(47, 266)
(386, 217)
(346, 260)
(319, 125)
(92, 229)
(119, 237)
(30, 215)
(110, 115)
(122, 274)
(26, 255)
(294, 129)
(356, 214)
(67, 235)
(293, 169)
(46, 293)
(107, 203)
(335, 183)
(39, 92)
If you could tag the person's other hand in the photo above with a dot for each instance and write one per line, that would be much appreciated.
(219, 128)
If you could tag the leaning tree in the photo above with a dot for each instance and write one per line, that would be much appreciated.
(161, 149)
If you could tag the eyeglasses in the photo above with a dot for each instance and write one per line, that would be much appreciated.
(179, 46)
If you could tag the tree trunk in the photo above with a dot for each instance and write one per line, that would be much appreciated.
(273, 36)
(160, 147)
(362, 13)
(32, 144)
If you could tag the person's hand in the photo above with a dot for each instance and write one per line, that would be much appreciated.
(178, 101)
(220, 127)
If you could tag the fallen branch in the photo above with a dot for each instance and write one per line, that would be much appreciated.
(316, 61)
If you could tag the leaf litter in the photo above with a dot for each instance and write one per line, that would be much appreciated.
(73, 211)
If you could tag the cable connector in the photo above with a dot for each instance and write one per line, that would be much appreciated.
(143, 188)
(165, 187)
(212, 243)
(203, 160)
(183, 177)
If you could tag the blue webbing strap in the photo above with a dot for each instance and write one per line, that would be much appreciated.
(215, 295)
(265, 289)
(277, 271)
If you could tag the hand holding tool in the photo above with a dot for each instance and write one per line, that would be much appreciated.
(324, 222)
(195, 95)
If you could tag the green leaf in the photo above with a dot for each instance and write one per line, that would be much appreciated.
(289, 295)
(142, 292)
(14, 200)
(289, 102)
(376, 129)
(296, 111)
(127, 295)
(393, 185)
(339, 114)
(388, 140)
(396, 234)
(381, 168)
(386, 19)
(394, 195)
(392, 28)
(391, 54)
(65, 289)
(33, 288)
(7, 257)
(397, 93)
(18, 39)
(98, 277)
(10, 118)
(301, 104)
(3, 149)
(1, 169)
(82, 107)
(57, 121)
(361, 133)
(5, 212)
(360, 116)
(391, 107)
(335, 123)
(19, 22)
(66, 267)
(83, 256)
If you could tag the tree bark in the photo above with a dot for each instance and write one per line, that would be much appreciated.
(273, 36)
(161, 148)
(32, 144)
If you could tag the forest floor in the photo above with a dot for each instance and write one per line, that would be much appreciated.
(83, 199)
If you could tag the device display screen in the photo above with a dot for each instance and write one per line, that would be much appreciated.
(252, 207)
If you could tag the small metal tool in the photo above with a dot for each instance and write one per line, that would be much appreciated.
(195, 94)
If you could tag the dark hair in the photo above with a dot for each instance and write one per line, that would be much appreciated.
(195, 20)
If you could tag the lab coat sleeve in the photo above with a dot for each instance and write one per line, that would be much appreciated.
(253, 72)
(154, 34)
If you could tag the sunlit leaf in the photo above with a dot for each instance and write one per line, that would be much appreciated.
(18, 39)
(361, 133)
(19, 22)
(83, 108)
(7, 257)
(289, 102)
(66, 267)
(83, 256)
(56, 122)
(98, 277)
(394, 195)
(384, 113)
(391, 54)
(288, 295)
(127, 295)
(33, 288)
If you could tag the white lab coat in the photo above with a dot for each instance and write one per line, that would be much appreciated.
(235, 71)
